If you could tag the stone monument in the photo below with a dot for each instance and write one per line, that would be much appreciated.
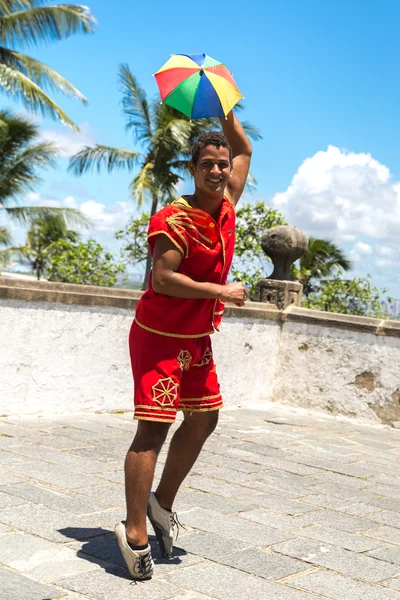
(283, 245)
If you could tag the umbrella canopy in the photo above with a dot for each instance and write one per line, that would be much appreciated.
(198, 86)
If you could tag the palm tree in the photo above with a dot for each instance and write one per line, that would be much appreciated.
(29, 22)
(41, 239)
(321, 260)
(21, 157)
(165, 136)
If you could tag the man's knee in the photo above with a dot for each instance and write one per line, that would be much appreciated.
(202, 424)
(150, 435)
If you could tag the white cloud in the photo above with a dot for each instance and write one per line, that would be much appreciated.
(339, 194)
(69, 142)
(352, 200)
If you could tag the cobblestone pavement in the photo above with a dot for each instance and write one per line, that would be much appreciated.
(282, 505)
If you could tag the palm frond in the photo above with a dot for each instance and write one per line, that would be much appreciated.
(143, 184)
(135, 106)
(45, 23)
(252, 131)
(29, 214)
(39, 73)
(5, 236)
(33, 97)
(102, 157)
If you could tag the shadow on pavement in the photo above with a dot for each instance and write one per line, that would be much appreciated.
(99, 546)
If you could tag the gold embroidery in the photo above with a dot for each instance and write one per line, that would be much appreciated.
(174, 335)
(182, 220)
(147, 407)
(201, 409)
(184, 358)
(156, 419)
(171, 238)
(165, 392)
(200, 399)
(206, 358)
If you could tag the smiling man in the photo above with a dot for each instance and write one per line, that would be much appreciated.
(192, 243)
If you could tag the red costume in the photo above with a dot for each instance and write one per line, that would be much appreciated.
(170, 347)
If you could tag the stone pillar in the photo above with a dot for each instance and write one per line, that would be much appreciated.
(283, 245)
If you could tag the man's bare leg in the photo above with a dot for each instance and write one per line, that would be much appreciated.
(140, 464)
(184, 449)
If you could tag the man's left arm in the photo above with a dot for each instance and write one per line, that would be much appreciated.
(241, 154)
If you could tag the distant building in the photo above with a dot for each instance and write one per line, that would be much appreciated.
(393, 308)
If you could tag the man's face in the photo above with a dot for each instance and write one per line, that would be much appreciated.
(212, 171)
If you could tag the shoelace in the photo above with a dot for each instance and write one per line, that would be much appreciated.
(175, 523)
(145, 564)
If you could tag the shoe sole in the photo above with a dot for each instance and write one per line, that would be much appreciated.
(159, 533)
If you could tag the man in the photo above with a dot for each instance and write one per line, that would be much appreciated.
(192, 243)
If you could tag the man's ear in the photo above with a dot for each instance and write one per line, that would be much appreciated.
(191, 168)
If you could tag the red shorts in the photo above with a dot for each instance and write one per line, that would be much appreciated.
(172, 374)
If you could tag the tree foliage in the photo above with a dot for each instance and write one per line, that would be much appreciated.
(134, 237)
(29, 22)
(85, 263)
(348, 296)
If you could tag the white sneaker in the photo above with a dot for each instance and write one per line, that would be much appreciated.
(164, 523)
(139, 562)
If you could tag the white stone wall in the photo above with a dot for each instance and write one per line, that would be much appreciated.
(339, 371)
(56, 358)
(60, 358)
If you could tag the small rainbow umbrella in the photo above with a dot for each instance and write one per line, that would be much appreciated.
(197, 85)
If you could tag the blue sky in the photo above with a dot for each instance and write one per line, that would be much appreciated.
(320, 79)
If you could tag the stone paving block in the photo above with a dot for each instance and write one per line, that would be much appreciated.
(285, 491)
(7, 478)
(223, 473)
(331, 502)
(38, 558)
(215, 486)
(9, 500)
(388, 491)
(115, 476)
(267, 565)
(335, 537)
(337, 587)
(49, 524)
(111, 493)
(9, 458)
(337, 520)
(230, 527)
(53, 474)
(117, 583)
(360, 510)
(352, 494)
(389, 554)
(387, 517)
(14, 586)
(231, 463)
(290, 507)
(337, 559)
(188, 499)
(393, 583)
(56, 499)
(387, 503)
(264, 450)
(58, 442)
(212, 546)
(108, 453)
(276, 520)
(289, 479)
(70, 461)
(344, 481)
(386, 534)
(225, 583)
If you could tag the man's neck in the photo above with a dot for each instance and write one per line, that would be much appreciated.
(210, 204)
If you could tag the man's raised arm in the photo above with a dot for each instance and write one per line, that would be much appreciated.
(241, 152)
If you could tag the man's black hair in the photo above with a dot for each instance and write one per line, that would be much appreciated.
(210, 138)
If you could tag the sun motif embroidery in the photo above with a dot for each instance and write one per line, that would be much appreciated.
(206, 358)
(184, 358)
(165, 392)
